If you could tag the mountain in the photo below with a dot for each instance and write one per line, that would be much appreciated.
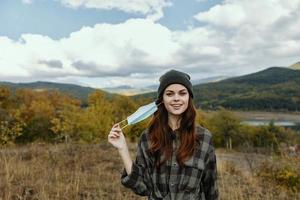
(275, 88)
(71, 89)
(131, 91)
(295, 66)
(209, 80)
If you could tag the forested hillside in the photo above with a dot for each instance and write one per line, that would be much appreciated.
(76, 91)
(273, 89)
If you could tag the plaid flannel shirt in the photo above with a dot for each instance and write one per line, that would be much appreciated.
(196, 180)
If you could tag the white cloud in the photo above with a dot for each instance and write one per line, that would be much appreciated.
(121, 48)
(153, 9)
(27, 1)
(97, 51)
(224, 46)
(230, 15)
(256, 33)
(235, 13)
(137, 46)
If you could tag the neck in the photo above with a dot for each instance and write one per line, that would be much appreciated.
(174, 121)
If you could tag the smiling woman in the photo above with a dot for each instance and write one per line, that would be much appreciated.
(175, 157)
(176, 99)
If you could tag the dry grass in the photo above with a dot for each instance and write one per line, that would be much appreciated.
(61, 172)
(238, 179)
(81, 171)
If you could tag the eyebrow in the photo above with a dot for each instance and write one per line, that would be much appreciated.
(183, 90)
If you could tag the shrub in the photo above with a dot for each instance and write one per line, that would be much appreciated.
(282, 171)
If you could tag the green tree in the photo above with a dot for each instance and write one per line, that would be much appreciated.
(226, 127)
(4, 97)
(40, 110)
(123, 106)
(201, 118)
(65, 125)
(11, 128)
(98, 118)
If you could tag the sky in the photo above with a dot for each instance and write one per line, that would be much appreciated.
(109, 43)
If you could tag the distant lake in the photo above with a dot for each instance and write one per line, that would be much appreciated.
(290, 124)
(266, 122)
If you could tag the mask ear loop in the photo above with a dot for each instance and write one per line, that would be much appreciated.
(159, 104)
(122, 122)
(126, 119)
(124, 126)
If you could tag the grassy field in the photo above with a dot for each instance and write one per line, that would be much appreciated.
(82, 171)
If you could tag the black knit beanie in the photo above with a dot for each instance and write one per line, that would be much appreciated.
(174, 77)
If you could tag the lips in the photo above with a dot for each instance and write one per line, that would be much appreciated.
(176, 106)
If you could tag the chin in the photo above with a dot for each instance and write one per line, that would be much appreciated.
(176, 112)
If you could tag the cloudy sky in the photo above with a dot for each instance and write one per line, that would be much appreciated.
(107, 43)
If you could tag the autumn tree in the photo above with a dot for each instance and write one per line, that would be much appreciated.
(225, 127)
(4, 97)
(11, 125)
(10, 130)
(123, 106)
(201, 118)
(97, 118)
(38, 109)
(66, 123)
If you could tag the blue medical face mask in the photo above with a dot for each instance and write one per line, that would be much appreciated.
(142, 113)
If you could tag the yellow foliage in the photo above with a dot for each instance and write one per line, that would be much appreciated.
(9, 131)
(283, 171)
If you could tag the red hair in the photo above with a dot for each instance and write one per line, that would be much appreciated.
(161, 138)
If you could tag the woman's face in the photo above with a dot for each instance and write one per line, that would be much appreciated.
(176, 99)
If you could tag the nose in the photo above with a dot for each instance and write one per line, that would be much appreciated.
(176, 97)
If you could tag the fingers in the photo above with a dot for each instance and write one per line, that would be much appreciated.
(114, 134)
(116, 127)
(115, 131)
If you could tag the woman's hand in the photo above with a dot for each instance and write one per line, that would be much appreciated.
(116, 137)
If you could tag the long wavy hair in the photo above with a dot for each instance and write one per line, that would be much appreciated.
(161, 136)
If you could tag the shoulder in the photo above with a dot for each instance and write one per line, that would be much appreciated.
(204, 139)
(203, 134)
(144, 136)
(144, 139)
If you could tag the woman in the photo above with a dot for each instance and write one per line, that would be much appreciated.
(175, 158)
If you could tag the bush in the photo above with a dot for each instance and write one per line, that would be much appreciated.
(282, 171)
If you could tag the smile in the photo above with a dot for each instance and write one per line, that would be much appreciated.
(176, 106)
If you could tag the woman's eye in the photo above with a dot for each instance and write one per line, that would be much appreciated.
(169, 94)
(183, 93)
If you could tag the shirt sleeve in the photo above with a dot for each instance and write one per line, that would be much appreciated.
(136, 179)
(209, 181)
